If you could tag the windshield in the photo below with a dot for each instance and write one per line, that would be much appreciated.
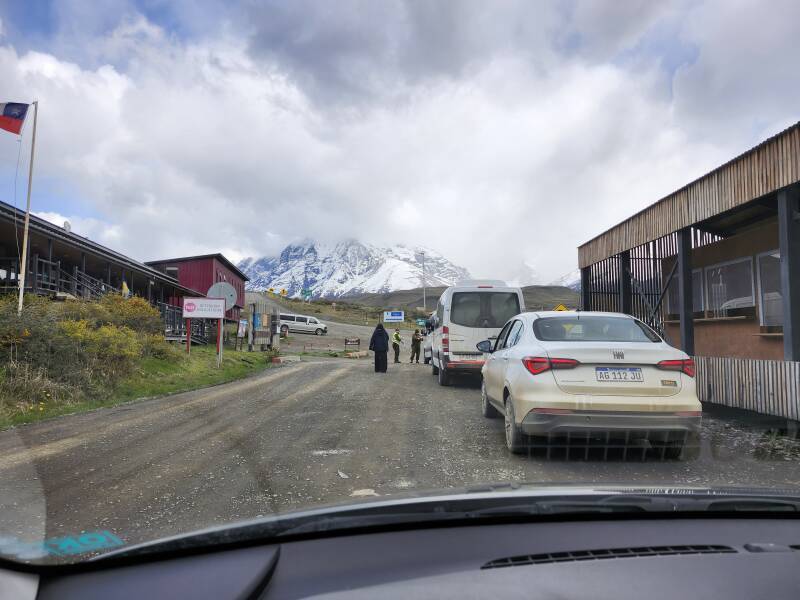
(267, 258)
(483, 309)
(588, 328)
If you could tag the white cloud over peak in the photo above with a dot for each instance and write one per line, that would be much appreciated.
(483, 134)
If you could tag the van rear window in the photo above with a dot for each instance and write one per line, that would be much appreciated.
(483, 309)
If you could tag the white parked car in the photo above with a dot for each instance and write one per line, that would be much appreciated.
(589, 373)
(465, 314)
(301, 324)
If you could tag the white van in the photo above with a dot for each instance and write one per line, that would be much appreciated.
(302, 324)
(466, 314)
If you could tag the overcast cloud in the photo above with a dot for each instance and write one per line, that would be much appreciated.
(498, 133)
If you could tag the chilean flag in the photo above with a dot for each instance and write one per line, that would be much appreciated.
(12, 116)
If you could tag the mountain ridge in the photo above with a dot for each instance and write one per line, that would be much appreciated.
(348, 268)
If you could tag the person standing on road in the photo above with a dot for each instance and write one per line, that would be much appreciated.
(396, 341)
(416, 342)
(379, 344)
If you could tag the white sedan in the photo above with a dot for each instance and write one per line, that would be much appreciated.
(593, 374)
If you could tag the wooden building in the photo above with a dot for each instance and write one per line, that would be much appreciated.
(715, 267)
(201, 272)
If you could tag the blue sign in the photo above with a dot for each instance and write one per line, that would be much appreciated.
(393, 316)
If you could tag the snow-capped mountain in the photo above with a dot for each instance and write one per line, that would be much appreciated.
(348, 268)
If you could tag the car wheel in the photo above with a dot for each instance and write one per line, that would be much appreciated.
(444, 378)
(284, 330)
(318, 332)
(426, 360)
(489, 411)
(515, 439)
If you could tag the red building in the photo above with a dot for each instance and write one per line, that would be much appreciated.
(201, 272)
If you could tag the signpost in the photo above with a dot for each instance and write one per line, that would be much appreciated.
(227, 293)
(393, 316)
(202, 308)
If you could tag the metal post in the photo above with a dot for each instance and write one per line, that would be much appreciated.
(586, 288)
(789, 240)
(424, 287)
(219, 343)
(188, 336)
(625, 295)
(685, 308)
(24, 260)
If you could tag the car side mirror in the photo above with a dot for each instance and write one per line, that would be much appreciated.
(485, 346)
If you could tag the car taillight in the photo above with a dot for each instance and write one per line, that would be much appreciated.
(685, 366)
(540, 364)
(445, 338)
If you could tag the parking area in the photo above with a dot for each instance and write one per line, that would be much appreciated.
(319, 432)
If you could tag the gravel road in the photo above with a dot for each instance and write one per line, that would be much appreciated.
(310, 433)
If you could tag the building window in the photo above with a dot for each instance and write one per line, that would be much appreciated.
(769, 288)
(673, 300)
(730, 285)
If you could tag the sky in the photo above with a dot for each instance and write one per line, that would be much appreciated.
(501, 134)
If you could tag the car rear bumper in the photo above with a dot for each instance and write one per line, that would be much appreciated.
(622, 423)
(463, 366)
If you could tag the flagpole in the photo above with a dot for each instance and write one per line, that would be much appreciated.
(24, 263)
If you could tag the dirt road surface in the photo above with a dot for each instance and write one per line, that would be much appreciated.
(311, 433)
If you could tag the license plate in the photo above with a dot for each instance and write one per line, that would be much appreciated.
(621, 374)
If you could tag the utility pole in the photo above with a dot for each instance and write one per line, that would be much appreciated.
(424, 293)
(23, 270)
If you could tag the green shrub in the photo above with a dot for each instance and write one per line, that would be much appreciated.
(134, 313)
(156, 346)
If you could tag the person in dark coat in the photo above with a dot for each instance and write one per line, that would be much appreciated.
(379, 344)
(416, 342)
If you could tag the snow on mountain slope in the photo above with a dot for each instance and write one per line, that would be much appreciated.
(348, 268)
(571, 280)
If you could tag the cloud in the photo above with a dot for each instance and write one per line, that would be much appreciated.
(499, 134)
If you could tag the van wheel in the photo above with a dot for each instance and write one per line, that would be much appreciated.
(515, 439)
(488, 411)
(434, 368)
(318, 332)
(426, 360)
(444, 378)
(284, 330)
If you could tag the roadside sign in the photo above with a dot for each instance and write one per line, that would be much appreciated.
(393, 316)
(284, 292)
(560, 307)
(204, 308)
(421, 322)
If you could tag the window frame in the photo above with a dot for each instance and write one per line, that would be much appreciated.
(758, 284)
(501, 336)
(703, 302)
(735, 261)
(514, 323)
(297, 319)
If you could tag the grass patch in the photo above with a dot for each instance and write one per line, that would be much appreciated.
(154, 376)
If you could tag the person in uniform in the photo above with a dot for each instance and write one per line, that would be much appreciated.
(396, 341)
(416, 343)
(379, 344)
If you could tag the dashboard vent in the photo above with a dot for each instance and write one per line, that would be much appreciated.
(557, 557)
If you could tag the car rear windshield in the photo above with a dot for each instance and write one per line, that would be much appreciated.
(592, 328)
(483, 309)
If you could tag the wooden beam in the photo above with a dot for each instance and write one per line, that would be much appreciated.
(789, 241)
(685, 290)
